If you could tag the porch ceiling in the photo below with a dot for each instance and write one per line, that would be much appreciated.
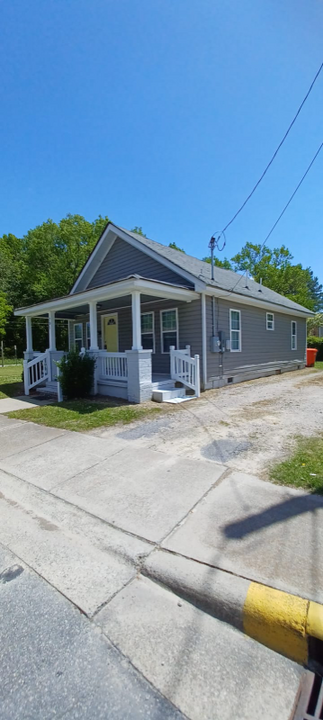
(110, 296)
(105, 305)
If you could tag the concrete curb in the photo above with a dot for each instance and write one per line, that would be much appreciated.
(281, 621)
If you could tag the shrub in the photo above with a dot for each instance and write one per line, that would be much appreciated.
(76, 374)
(316, 342)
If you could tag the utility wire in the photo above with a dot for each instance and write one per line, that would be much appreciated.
(276, 151)
(281, 214)
(292, 196)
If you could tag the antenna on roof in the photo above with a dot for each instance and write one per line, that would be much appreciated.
(215, 243)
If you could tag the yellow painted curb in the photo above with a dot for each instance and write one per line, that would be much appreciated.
(314, 624)
(277, 620)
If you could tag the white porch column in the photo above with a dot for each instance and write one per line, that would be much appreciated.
(136, 321)
(93, 327)
(204, 341)
(29, 335)
(52, 333)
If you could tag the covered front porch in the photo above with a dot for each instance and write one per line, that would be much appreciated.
(131, 327)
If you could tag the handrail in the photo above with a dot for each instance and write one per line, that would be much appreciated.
(36, 371)
(185, 369)
(113, 366)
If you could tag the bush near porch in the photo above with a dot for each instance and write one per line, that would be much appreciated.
(76, 374)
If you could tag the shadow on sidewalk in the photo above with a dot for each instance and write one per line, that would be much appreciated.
(275, 514)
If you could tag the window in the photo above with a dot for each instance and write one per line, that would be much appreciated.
(147, 331)
(88, 336)
(270, 321)
(78, 336)
(294, 335)
(169, 329)
(235, 330)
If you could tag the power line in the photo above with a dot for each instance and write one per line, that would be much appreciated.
(281, 214)
(276, 151)
(292, 196)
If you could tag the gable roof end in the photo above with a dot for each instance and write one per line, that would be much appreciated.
(227, 281)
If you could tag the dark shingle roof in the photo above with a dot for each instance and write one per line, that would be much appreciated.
(226, 280)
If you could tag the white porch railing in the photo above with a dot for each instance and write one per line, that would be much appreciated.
(36, 371)
(113, 366)
(185, 369)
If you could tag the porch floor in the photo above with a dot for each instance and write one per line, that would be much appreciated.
(158, 379)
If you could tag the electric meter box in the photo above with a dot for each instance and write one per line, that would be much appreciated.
(214, 344)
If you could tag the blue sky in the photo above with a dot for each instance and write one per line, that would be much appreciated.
(163, 113)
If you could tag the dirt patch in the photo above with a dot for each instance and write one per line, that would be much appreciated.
(247, 427)
(256, 410)
(313, 380)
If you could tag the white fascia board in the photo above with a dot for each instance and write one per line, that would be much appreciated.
(97, 256)
(119, 289)
(264, 304)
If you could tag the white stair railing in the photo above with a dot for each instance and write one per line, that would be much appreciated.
(185, 369)
(113, 366)
(36, 371)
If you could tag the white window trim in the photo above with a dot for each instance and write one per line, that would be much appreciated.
(88, 335)
(292, 335)
(163, 331)
(148, 332)
(239, 331)
(78, 324)
(273, 317)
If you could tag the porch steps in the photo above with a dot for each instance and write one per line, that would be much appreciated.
(165, 391)
(49, 389)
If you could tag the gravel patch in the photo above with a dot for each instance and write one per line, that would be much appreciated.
(247, 426)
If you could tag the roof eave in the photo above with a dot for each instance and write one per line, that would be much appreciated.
(257, 302)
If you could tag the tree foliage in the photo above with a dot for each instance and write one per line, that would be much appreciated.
(44, 264)
(175, 247)
(5, 311)
(225, 263)
(46, 261)
(314, 322)
(276, 270)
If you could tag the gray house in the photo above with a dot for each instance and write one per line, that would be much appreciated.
(160, 326)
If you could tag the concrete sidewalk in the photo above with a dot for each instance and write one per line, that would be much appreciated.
(88, 514)
(196, 508)
(23, 402)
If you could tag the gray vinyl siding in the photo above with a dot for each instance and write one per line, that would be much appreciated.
(189, 326)
(124, 260)
(258, 345)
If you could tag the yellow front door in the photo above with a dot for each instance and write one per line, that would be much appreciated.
(110, 333)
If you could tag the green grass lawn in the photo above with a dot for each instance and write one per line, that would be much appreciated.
(319, 365)
(10, 381)
(304, 469)
(82, 415)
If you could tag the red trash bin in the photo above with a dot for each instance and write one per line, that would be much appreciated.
(311, 354)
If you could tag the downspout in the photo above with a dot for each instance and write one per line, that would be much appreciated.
(204, 345)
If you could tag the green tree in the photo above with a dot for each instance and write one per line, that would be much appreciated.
(314, 322)
(5, 310)
(175, 247)
(138, 230)
(277, 272)
(44, 264)
(225, 263)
